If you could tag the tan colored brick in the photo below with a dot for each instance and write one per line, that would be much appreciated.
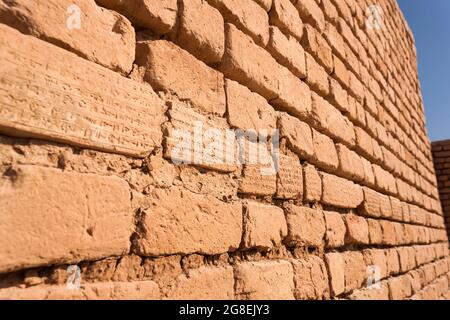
(372, 293)
(355, 270)
(317, 46)
(338, 96)
(334, 124)
(363, 142)
(66, 221)
(400, 287)
(311, 13)
(298, 135)
(137, 129)
(288, 52)
(313, 184)
(264, 226)
(325, 151)
(201, 31)
(388, 231)
(258, 115)
(377, 259)
(335, 229)
(340, 71)
(384, 179)
(357, 229)
(336, 266)
(317, 78)
(289, 178)
(306, 226)
(264, 280)
(171, 69)
(181, 222)
(247, 15)
(256, 181)
(111, 45)
(340, 192)
(375, 231)
(375, 204)
(350, 164)
(393, 263)
(158, 16)
(265, 4)
(285, 16)
(310, 278)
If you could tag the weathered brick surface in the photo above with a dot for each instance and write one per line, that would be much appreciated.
(284, 154)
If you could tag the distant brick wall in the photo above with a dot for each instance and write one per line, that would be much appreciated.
(441, 154)
(128, 161)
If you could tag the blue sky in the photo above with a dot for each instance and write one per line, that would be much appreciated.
(430, 23)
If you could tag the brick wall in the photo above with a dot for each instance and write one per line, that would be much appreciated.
(441, 155)
(98, 200)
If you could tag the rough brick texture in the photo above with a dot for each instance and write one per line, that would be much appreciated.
(216, 149)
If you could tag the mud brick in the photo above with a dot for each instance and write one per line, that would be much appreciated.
(404, 256)
(336, 266)
(158, 16)
(264, 226)
(350, 164)
(171, 69)
(375, 204)
(289, 178)
(352, 62)
(111, 44)
(377, 152)
(369, 177)
(393, 262)
(325, 152)
(72, 215)
(256, 181)
(317, 77)
(340, 71)
(182, 222)
(397, 209)
(264, 280)
(306, 226)
(334, 124)
(310, 278)
(378, 292)
(377, 259)
(298, 134)
(201, 31)
(338, 96)
(247, 15)
(285, 16)
(400, 287)
(84, 114)
(335, 229)
(340, 192)
(356, 111)
(370, 104)
(336, 42)
(388, 230)
(192, 138)
(311, 13)
(357, 229)
(265, 4)
(375, 231)
(313, 184)
(356, 87)
(363, 142)
(204, 283)
(288, 52)
(318, 47)
(384, 179)
(329, 11)
(355, 270)
(259, 114)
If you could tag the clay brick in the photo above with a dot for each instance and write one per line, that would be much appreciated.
(375, 231)
(369, 177)
(375, 204)
(181, 222)
(310, 278)
(285, 16)
(201, 31)
(376, 258)
(258, 115)
(288, 52)
(340, 192)
(338, 96)
(336, 265)
(317, 78)
(329, 11)
(136, 130)
(388, 230)
(357, 229)
(312, 184)
(158, 16)
(204, 283)
(400, 288)
(289, 178)
(350, 164)
(298, 135)
(171, 69)
(372, 293)
(363, 142)
(325, 155)
(111, 44)
(337, 43)
(306, 226)
(72, 215)
(340, 72)
(397, 209)
(265, 4)
(264, 226)
(354, 271)
(256, 181)
(384, 179)
(318, 47)
(264, 280)
(247, 15)
(393, 262)
(327, 117)
(311, 13)
(335, 229)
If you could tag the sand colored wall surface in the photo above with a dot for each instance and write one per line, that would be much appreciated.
(122, 175)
